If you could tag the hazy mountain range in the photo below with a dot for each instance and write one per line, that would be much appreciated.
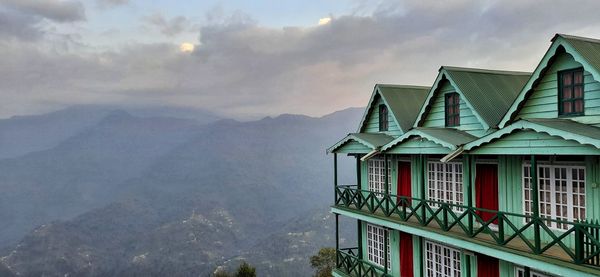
(98, 191)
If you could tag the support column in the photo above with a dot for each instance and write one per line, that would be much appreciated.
(337, 239)
(385, 250)
(469, 168)
(423, 180)
(358, 181)
(335, 179)
(387, 185)
(359, 243)
(536, 205)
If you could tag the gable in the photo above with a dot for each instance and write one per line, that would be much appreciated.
(435, 117)
(542, 101)
(418, 145)
(586, 53)
(371, 122)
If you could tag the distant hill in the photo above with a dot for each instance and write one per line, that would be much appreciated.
(163, 196)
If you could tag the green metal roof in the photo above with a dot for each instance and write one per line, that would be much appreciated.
(447, 137)
(373, 141)
(563, 128)
(489, 93)
(584, 50)
(403, 101)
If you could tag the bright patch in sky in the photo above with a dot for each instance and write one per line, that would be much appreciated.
(324, 20)
(186, 47)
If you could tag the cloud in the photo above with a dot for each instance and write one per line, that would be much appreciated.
(111, 3)
(55, 10)
(241, 68)
(168, 27)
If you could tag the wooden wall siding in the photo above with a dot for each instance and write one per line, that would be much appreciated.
(353, 147)
(543, 101)
(372, 120)
(418, 146)
(507, 269)
(529, 142)
(592, 187)
(436, 115)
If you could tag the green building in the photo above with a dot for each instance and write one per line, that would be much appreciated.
(486, 173)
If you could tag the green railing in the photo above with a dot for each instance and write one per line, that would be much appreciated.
(349, 263)
(579, 241)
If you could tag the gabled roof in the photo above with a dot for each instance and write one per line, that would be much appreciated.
(448, 137)
(402, 101)
(564, 128)
(488, 93)
(372, 141)
(584, 50)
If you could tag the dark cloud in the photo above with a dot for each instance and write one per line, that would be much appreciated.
(55, 10)
(168, 27)
(241, 68)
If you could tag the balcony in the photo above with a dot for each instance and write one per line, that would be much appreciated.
(349, 264)
(575, 242)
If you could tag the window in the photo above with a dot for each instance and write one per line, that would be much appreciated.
(570, 92)
(520, 272)
(375, 245)
(452, 109)
(561, 193)
(383, 118)
(441, 261)
(377, 175)
(445, 183)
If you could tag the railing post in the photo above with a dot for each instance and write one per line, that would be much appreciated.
(536, 205)
(501, 227)
(335, 178)
(337, 237)
(445, 216)
(579, 248)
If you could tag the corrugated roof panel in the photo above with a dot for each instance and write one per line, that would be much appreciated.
(404, 101)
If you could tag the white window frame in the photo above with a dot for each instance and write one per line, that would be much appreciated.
(445, 183)
(520, 272)
(376, 175)
(555, 201)
(375, 245)
(440, 260)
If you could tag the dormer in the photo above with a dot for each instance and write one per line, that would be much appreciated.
(564, 85)
(470, 100)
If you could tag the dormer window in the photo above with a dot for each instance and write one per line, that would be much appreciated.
(383, 118)
(570, 92)
(452, 109)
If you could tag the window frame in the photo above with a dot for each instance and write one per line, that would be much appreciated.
(384, 122)
(434, 261)
(553, 204)
(439, 187)
(452, 119)
(376, 175)
(519, 271)
(375, 239)
(573, 99)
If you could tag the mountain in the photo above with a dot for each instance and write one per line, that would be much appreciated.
(163, 196)
(84, 171)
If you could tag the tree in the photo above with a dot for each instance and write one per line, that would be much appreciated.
(323, 262)
(244, 270)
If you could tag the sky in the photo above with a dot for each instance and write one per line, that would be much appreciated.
(249, 59)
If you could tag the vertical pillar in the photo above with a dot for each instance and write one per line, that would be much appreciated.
(423, 180)
(358, 182)
(469, 191)
(335, 178)
(385, 250)
(337, 238)
(360, 245)
(387, 185)
(536, 205)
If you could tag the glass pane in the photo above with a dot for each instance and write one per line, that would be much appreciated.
(578, 75)
(567, 93)
(578, 91)
(578, 106)
(567, 79)
(567, 107)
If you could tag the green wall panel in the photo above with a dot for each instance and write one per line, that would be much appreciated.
(530, 142)
(371, 124)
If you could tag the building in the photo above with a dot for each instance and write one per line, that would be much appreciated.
(486, 173)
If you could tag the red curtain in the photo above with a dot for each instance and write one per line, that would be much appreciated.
(487, 266)
(486, 189)
(406, 255)
(404, 182)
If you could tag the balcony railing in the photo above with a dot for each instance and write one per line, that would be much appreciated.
(350, 264)
(577, 242)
